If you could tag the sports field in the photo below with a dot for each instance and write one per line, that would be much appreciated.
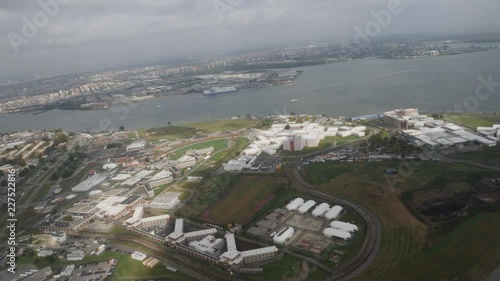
(243, 200)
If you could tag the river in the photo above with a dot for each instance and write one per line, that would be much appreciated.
(350, 89)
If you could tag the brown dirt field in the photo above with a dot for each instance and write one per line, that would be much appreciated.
(243, 200)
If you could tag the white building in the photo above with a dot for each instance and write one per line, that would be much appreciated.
(306, 206)
(166, 201)
(90, 183)
(138, 213)
(153, 221)
(295, 204)
(209, 245)
(282, 236)
(321, 209)
(344, 226)
(161, 178)
(294, 143)
(333, 213)
(75, 255)
(136, 145)
(332, 232)
(138, 256)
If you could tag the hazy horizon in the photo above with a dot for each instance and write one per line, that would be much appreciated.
(80, 35)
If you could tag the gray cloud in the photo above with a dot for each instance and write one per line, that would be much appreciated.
(92, 33)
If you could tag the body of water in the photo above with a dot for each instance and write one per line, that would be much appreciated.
(350, 89)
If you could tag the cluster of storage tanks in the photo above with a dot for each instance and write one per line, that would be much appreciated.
(322, 210)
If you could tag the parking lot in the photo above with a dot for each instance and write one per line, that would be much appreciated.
(91, 272)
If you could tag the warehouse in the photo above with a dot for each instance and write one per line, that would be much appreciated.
(306, 206)
(332, 232)
(321, 209)
(344, 226)
(333, 213)
(282, 236)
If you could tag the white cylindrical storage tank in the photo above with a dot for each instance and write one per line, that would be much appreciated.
(306, 206)
(321, 209)
(332, 232)
(333, 213)
(344, 226)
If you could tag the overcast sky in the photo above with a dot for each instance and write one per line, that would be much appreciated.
(95, 33)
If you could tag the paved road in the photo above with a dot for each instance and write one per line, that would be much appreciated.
(372, 242)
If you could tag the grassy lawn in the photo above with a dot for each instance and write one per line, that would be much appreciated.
(41, 191)
(470, 252)
(320, 173)
(473, 120)
(207, 192)
(130, 268)
(218, 144)
(487, 155)
(244, 199)
(183, 131)
(290, 268)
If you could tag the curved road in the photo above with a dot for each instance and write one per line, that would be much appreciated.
(372, 242)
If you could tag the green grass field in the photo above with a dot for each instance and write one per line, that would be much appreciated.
(217, 144)
(472, 120)
(290, 268)
(244, 200)
(130, 268)
(183, 131)
(405, 253)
